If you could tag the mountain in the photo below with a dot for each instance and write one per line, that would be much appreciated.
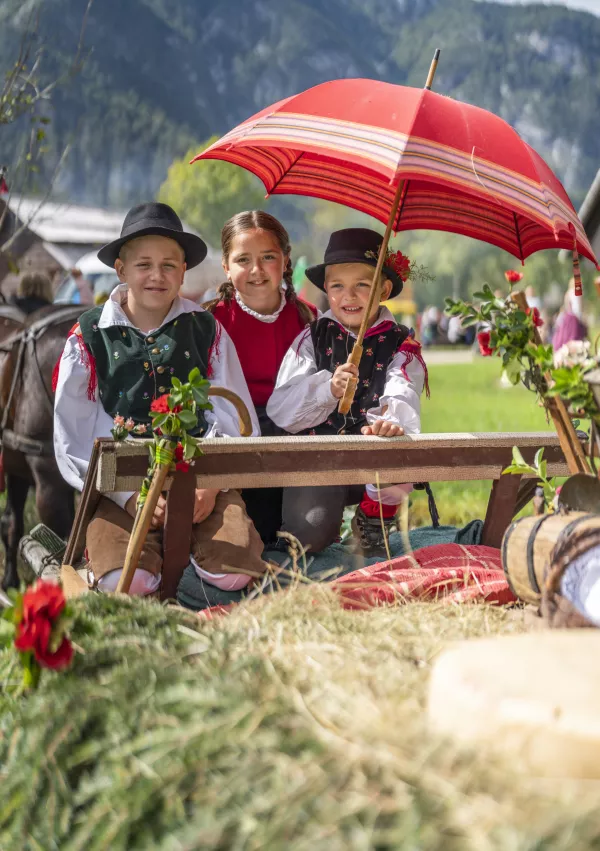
(161, 75)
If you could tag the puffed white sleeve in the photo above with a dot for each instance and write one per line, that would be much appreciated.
(400, 402)
(302, 396)
(78, 420)
(225, 371)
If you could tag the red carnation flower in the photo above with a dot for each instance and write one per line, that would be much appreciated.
(182, 465)
(43, 604)
(513, 277)
(399, 263)
(483, 338)
(161, 405)
(535, 315)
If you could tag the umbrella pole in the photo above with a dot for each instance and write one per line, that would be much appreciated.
(357, 349)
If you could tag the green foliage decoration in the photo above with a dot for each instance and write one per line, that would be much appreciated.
(209, 192)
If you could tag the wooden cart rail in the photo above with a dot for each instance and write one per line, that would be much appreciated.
(294, 461)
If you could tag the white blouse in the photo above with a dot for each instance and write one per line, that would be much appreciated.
(302, 397)
(78, 421)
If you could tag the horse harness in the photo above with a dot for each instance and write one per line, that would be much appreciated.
(28, 338)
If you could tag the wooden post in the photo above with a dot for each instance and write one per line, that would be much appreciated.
(178, 531)
(357, 350)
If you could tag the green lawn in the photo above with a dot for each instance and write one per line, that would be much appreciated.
(467, 398)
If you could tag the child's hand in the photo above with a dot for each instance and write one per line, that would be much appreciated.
(158, 519)
(340, 379)
(204, 503)
(383, 428)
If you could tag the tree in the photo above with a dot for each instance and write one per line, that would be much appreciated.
(210, 192)
(24, 100)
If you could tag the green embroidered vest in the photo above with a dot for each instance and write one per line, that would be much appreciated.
(133, 368)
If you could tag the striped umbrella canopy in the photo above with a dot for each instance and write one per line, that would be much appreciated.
(464, 170)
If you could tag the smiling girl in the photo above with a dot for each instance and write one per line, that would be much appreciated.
(258, 307)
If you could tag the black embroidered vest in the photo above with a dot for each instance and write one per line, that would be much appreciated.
(333, 345)
(133, 368)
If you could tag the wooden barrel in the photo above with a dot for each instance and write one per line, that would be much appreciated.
(528, 545)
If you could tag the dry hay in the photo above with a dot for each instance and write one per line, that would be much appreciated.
(290, 724)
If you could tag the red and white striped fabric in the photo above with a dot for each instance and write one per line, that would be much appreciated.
(466, 170)
(451, 573)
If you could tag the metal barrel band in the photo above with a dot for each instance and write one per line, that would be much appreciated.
(530, 545)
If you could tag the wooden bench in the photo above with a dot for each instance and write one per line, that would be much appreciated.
(295, 461)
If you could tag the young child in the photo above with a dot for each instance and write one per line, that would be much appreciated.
(258, 307)
(120, 357)
(313, 378)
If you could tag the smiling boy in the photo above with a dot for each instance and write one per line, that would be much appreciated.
(314, 375)
(120, 357)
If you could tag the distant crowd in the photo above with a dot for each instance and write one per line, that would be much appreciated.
(559, 326)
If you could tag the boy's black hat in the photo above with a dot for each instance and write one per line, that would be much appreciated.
(155, 219)
(354, 245)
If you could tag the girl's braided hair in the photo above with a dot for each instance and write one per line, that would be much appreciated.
(259, 220)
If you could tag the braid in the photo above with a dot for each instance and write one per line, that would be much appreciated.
(290, 294)
(224, 293)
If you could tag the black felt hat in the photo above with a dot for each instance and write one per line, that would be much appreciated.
(354, 245)
(155, 219)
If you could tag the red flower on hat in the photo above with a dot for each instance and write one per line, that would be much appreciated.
(397, 261)
(161, 405)
(535, 315)
(43, 604)
(483, 338)
(513, 277)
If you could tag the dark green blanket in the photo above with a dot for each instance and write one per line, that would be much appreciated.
(336, 560)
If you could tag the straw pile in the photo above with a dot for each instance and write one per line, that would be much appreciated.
(289, 725)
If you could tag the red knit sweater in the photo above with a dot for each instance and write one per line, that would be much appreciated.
(261, 346)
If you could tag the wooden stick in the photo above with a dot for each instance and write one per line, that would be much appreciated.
(142, 527)
(570, 443)
(357, 350)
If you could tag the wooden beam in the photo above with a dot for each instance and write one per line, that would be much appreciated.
(289, 462)
(500, 510)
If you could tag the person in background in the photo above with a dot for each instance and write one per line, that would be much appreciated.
(33, 292)
(86, 293)
(569, 323)
(532, 299)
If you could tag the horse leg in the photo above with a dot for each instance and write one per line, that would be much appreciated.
(54, 498)
(12, 525)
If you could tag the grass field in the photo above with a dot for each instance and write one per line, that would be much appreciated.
(467, 398)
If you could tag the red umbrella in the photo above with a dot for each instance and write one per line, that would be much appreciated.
(464, 169)
(410, 158)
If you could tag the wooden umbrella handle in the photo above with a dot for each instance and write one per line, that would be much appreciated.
(348, 397)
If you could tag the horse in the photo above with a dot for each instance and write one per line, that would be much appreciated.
(27, 405)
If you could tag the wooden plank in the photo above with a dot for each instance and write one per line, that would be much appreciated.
(500, 510)
(526, 494)
(86, 507)
(177, 532)
(392, 461)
